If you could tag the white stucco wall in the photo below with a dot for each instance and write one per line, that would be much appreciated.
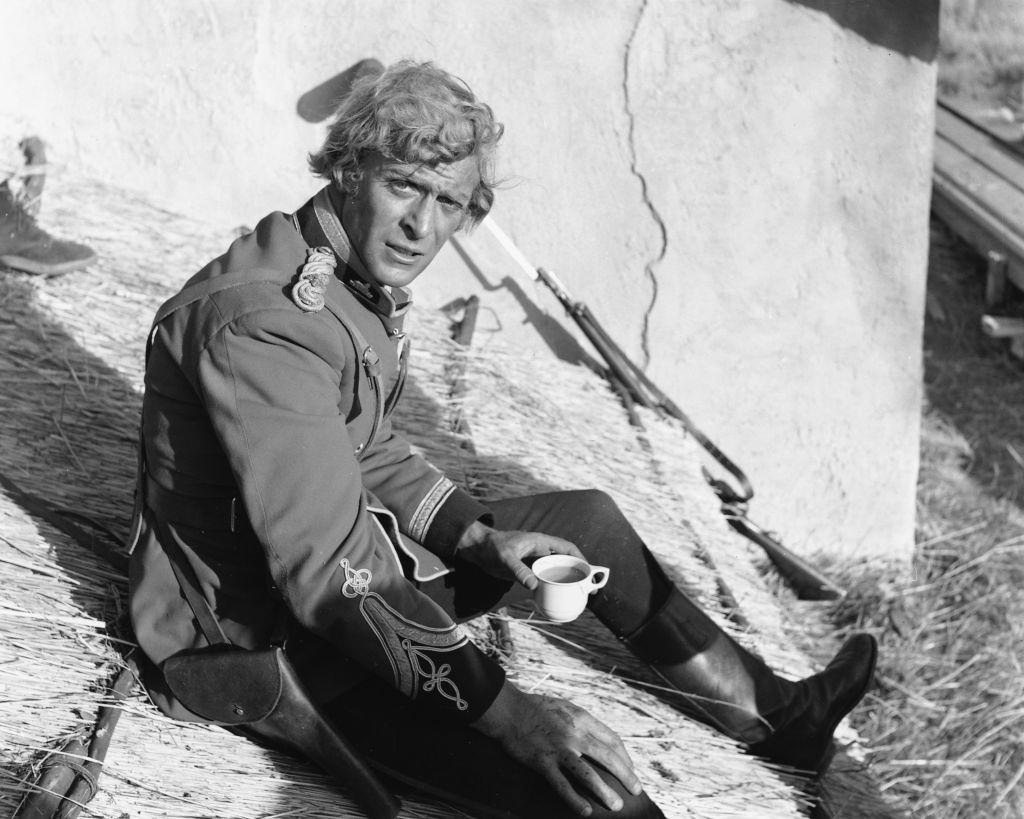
(738, 189)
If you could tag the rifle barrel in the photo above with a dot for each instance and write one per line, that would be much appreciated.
(510, 248)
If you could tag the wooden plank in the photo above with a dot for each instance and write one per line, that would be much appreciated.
(989, 189)
(986, 149)
(979, 228)
(978, 190)
(1002, 326)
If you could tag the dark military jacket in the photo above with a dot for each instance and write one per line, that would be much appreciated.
(271, 461)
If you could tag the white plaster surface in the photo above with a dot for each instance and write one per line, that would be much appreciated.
(739, 190)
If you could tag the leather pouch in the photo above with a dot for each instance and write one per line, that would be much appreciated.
(260, 690)
(227, 684)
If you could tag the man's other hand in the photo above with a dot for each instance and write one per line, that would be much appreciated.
(507, 554)
(562, 743)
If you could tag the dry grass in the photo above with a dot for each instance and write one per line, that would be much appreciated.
(981, 50)
(947, 723)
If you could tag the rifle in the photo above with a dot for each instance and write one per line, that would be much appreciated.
(68, 779)
(634, 385)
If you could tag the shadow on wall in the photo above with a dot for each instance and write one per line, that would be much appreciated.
(908, 27)
(321, 102)
(561, 343)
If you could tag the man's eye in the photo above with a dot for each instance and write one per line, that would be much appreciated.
(450, 204)
(401, 184)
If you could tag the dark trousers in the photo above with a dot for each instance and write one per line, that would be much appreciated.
(459, 764)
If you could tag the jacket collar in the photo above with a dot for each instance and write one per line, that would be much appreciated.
(319, 223)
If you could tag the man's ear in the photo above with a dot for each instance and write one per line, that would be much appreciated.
(338, 176)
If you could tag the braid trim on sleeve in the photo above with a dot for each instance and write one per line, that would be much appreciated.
(427, 509)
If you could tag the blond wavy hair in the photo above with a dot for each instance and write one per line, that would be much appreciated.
(412, 112)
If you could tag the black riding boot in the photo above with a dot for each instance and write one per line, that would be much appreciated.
(727, 687)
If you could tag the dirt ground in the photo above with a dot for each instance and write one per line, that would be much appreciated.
(971, 379)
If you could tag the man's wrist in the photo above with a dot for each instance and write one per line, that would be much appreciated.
(476, 534)
(499, 717)
(449, 523)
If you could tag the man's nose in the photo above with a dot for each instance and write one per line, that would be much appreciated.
(419, 217)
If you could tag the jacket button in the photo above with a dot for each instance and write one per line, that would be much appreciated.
(359, 448)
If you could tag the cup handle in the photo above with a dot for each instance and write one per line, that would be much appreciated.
(598, 578)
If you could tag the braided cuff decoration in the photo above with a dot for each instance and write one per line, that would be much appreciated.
(416, 652)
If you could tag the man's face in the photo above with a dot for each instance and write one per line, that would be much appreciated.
(403, 213)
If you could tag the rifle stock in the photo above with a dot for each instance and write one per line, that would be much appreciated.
(805, 579)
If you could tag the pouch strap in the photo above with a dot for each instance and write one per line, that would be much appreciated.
(189, 583)
(212, 514)
(370, 360)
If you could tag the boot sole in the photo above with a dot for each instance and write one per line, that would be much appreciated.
(37, 268)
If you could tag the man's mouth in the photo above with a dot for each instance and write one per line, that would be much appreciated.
(403, 253)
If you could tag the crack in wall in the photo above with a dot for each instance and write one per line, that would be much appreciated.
(645, 340)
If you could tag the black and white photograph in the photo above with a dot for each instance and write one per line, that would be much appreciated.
(424, 409)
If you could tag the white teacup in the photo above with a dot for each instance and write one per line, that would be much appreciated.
(564, 583)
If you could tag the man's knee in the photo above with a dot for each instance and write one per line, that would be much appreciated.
(602, 530)
(574, 514)
(597, 506)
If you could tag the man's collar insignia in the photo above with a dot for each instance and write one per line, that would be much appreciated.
(308, 291)
(361, 287)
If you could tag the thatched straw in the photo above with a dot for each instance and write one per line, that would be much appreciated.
(70, 360)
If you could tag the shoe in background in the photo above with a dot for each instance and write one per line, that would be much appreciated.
(24, 245)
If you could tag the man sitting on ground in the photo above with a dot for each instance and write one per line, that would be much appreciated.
(271, 464)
